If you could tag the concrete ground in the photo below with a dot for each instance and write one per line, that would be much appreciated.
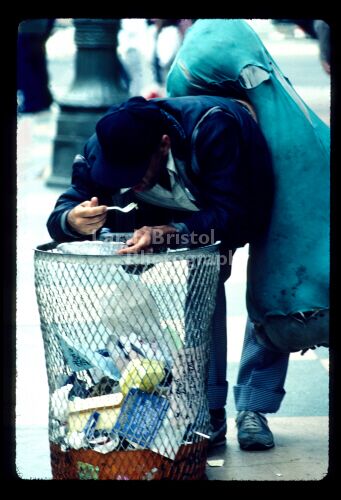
(301, 453)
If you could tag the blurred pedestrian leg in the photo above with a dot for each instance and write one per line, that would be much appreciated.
(323, 34)
(32, 77)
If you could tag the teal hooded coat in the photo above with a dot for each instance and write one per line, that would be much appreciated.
(288, 269)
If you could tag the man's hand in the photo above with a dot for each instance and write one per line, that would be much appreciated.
(87, 217)
(146, 237)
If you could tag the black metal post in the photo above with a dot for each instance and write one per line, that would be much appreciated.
(99, 82)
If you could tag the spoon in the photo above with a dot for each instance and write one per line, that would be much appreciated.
(126, 209)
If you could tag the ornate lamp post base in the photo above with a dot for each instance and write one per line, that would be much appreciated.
(99, 83)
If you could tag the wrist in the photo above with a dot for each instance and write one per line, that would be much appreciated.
(180, 227)
(67, 228)
(69, 220)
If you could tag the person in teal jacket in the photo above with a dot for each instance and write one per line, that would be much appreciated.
(288, 270)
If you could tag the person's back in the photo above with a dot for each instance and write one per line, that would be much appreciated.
(299, 143)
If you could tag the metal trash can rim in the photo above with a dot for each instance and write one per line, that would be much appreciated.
(46, 250)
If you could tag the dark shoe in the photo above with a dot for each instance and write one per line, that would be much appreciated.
(218, 428)
(253, 431)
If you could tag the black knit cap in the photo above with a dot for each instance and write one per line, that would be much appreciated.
(128, 135)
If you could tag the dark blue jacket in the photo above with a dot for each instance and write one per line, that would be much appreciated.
(228, 169)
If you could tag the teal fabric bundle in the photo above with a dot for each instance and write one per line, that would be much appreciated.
(288, 269)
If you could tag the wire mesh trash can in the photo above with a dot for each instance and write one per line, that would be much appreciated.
(126, 342)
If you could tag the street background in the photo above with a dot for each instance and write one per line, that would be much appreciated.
(300, 426)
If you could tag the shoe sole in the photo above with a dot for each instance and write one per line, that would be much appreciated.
(256, 447)
(212, 446)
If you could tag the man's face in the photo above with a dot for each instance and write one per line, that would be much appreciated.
(157, 162)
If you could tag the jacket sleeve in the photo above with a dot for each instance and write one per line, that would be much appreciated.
(224, 157)
(82, 188)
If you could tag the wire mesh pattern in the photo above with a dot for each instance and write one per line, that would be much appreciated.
(126, 342)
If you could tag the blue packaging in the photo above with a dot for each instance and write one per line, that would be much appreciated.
(141, 417)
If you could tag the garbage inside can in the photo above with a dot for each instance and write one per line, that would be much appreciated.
(126, 341)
